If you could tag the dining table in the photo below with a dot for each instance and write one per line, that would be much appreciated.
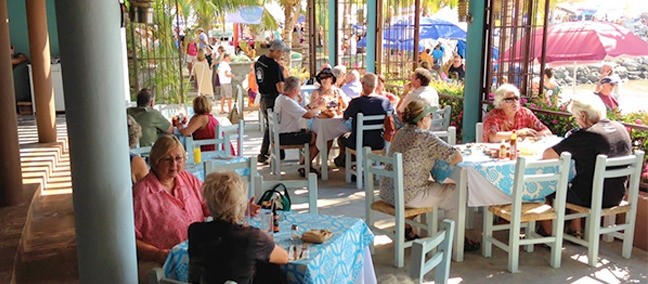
(343, 258)
(483, 180)
(328, 129)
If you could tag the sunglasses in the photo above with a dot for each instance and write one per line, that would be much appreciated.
(511, 99)
(325, 77)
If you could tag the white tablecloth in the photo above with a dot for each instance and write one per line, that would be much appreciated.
(327, 129)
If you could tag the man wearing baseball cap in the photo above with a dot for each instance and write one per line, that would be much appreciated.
(269, 77)
(608, 97)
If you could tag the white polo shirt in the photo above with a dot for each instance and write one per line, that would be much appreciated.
(290, 114)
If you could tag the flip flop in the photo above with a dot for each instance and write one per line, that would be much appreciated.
(470, 245)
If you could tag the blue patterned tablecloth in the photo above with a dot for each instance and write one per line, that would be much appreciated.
(500, 173)
(218, 158)
(338, 260)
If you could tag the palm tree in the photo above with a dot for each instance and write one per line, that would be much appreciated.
(291, 13)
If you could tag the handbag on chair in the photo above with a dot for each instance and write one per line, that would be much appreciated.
(281, 202)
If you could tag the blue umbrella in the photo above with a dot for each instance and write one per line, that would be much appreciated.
(402, 32)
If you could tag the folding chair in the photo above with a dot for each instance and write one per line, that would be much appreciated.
(629, 166)
(519, 214)
(276, 147)
(310, 184)
(361, 126)
(400, 213)
(440, 260)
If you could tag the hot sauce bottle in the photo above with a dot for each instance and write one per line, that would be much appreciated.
(513, 144)
(502, 151)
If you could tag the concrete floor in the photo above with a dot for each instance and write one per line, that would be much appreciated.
(50, 254)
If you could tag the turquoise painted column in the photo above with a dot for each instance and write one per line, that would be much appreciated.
(372, 15)
(474, 64)
(332, 31)
(96, 119)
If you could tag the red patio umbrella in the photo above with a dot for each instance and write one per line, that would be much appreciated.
(584, 41)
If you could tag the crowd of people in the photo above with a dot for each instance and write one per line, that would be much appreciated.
(171, 204)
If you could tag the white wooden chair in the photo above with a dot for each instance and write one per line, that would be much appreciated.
(361, 126)
(400, 213)
(142, 151)
(440, 125)
(310, 184)
(233, 132)
(275, 149)
(479, 132)
(440, 260)
(605, 168)
(519, 213)
(251, 165)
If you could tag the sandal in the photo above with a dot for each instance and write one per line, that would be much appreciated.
(410, 235)
(471, 245)
(575, 234)
(302, 172)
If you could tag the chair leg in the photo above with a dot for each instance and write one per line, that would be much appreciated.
(487, 245)
(628, 235)
(514, 246)
(608, 221)
(347, 165)
(359, 170)
(530, 230)
(307, 161)
(399, 243)
(558, 229)
(593, 240)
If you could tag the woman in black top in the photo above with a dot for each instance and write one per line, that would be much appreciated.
(224, 249)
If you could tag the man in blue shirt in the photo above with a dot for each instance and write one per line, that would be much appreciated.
(368, 103)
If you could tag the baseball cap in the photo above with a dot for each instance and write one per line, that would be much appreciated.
(608, 80)
(277, 44)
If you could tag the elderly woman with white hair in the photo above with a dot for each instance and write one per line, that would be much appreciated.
(509, 116)
(226, 248)
(595, 135)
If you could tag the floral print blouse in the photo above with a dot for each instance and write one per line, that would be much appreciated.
(421, 149)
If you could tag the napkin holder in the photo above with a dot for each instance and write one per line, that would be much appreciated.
(316, 236)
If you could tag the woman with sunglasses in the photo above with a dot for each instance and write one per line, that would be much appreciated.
(421, 150)
(509, 116)
(334, 104)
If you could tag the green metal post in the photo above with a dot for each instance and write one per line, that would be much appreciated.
(475, 62)
(332, 31)
(370, 64)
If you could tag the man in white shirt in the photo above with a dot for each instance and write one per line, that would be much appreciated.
(225, 77)
(290, 114)
(418, 89)
(353, 87)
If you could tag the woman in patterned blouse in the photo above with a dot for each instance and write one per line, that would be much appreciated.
(509, 116)
(421, 149)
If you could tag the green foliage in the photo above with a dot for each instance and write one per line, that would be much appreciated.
(558, 124)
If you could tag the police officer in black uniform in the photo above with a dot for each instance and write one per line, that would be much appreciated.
(270, 79)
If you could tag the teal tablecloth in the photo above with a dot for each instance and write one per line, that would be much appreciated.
(338, 260)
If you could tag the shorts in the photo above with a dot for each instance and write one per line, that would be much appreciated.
(295, 138)
(226, 90)
(190, 58)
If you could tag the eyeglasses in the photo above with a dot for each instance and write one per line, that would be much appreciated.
(511, 99)
(170, 160)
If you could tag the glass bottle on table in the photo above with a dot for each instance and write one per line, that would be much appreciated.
(513, 145)
(502, 150)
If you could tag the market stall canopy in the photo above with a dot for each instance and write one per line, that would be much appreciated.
(583, 41)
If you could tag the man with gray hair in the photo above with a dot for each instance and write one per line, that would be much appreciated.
(596, 135)
(152, 121)
(339, 71)
(292, 128)
(353, 87)
(368, 103)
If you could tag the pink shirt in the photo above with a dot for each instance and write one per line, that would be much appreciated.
(496, 121)
(161, 218)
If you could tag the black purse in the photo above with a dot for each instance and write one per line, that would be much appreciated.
(281, 202)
